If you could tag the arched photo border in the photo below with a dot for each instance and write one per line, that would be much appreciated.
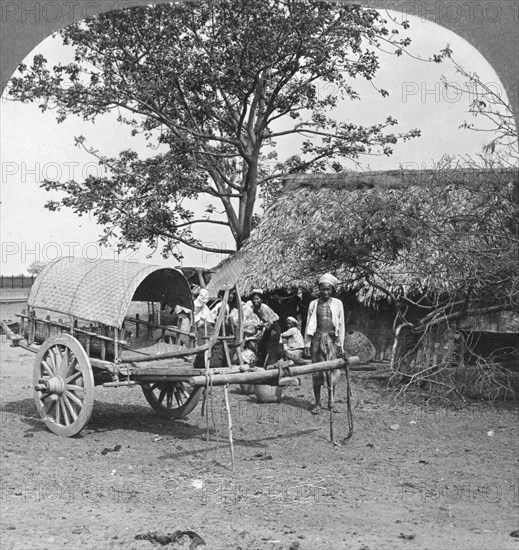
(490, 26)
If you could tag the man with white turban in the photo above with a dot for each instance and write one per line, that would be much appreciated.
(324, 336)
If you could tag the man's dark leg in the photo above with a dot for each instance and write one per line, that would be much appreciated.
(317, 383)
(317, 395)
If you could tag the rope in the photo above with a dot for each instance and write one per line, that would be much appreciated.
(348, 407)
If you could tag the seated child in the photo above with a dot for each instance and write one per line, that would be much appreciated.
(293, 341)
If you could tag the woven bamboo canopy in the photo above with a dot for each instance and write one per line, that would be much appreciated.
(272, 257)
(100, 291)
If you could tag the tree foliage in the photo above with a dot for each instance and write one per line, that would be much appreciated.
(213, 86)
(487, 101)
(36, 267)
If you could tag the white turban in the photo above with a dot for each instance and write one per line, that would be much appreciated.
(328, 279)
(257, 291)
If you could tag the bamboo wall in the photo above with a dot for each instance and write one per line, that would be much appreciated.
(437, 347)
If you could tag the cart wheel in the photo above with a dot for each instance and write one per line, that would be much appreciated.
(63, 385)
(172, 399)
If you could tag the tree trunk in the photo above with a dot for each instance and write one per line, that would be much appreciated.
(250, 187)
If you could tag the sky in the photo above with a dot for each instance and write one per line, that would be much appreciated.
(33, 146)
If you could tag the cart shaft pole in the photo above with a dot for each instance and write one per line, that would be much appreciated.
(265, 375)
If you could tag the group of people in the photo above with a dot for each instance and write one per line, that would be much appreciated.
(322, 341)
(323, 338)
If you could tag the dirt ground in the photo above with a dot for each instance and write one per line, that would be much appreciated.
(414, 476)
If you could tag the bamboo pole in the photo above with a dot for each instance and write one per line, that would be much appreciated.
(324, 365)
(229, 422)
(60, 324)
(331, 407)
(264, 375)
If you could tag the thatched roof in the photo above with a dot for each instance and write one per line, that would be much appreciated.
(271, 258)
(227, 272)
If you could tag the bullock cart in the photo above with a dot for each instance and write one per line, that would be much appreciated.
(109, 323)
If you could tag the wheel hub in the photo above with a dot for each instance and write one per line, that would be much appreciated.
(55, 385)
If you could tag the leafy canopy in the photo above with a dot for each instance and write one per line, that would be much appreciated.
(213, 86)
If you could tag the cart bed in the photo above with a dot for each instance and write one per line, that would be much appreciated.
(142, 349)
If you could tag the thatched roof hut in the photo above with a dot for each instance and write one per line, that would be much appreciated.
(272, 257)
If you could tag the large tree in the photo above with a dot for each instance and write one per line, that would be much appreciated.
(213, 85)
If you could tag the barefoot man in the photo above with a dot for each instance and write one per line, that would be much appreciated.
(324, 336)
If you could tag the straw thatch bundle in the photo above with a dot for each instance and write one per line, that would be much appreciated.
(356, 343)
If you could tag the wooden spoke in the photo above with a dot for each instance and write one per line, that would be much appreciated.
(51, 362)
(74, 398)
(72, 378)
(183, 392)
(56, 356)
(65, 362)
(58, 412)
(70, 408)
(162, 395)
(66, 405)
(65, 413)
(73, 387)
(59, 356)
(179, 395)
(47, 368)
(172, 399)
